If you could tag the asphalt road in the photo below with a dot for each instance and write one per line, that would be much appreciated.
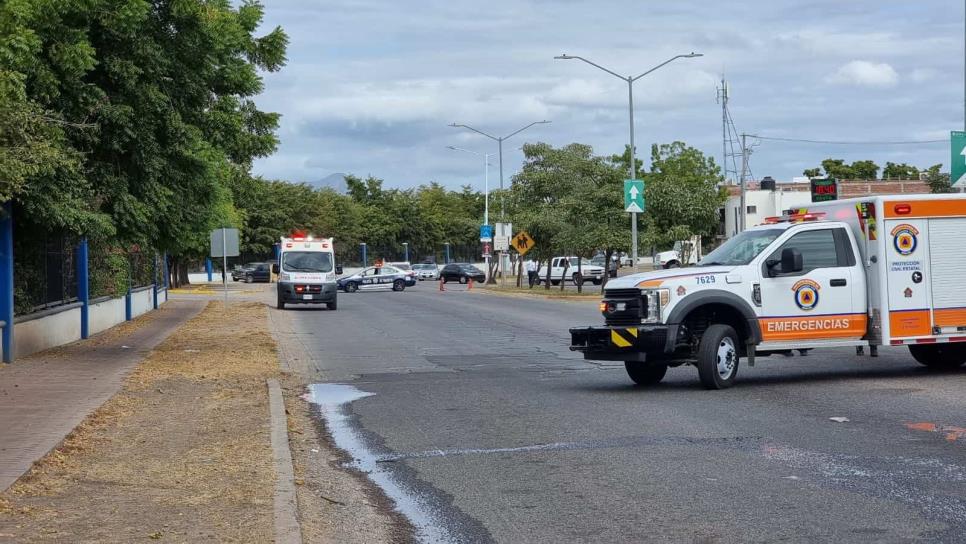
(481, 413)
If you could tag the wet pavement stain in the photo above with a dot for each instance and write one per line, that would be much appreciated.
(949, 432)
(332, 399)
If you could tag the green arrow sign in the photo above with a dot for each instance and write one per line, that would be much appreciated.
(634, 195)
(957, 161)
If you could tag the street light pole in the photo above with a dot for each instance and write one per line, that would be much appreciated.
(499, 141)
(486, 193)
(632, 169)
(406, 248)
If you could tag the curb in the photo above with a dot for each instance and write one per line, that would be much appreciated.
(287, 530)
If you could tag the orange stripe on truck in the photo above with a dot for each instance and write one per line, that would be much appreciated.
(909, 323)
(950, 317)
(781, 329)
(925, 208)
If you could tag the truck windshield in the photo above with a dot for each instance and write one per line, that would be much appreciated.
(307, 261)
(573, 262)
(742, 248)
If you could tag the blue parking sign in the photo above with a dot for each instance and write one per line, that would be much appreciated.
(486, 231)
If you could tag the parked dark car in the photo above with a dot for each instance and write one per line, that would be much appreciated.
(461, 272)
(259, 272)
(238, 273)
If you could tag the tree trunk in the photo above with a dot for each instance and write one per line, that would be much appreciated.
(549, 262)
(563, 275)
(580, 274)
(520, 272)
(608, 254)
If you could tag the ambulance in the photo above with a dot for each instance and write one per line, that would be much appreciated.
(306, 271)
(867, 272)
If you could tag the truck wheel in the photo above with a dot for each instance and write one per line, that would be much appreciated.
(645, 373)
(939, 356)
(554, 282)
(398, 285)
(578, 279)
(718, 357)
(673, 264)
(334, 305)
(598, 282)
(351, 287)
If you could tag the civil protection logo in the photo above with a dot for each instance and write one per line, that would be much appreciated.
(806, 294)
(905, 239)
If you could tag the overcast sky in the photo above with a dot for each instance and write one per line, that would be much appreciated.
(371, 85)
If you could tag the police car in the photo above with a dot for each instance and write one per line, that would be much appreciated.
(377, 277)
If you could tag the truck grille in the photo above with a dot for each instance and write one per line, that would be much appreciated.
(634, 307)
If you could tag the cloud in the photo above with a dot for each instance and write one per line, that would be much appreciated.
(862, 73)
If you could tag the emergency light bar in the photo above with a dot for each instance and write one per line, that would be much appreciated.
(795, 218)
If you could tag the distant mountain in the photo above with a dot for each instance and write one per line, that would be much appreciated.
(332, 181)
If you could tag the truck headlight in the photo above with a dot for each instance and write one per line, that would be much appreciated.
(656, 299)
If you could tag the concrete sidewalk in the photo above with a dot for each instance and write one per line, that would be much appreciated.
(44, 396)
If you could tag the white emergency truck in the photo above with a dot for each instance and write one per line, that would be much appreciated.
(307, 272)
(881, 270)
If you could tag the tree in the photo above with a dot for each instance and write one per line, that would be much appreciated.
(899, 171)
(836, 168)
(938, 182)
(682, 194)
(865, 170)
(812, 172)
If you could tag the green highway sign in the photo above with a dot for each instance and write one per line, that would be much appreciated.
(634, 195)
(957, 161)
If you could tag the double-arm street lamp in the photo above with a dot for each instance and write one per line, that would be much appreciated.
(630, 106)
(486, 193)
(499, 141)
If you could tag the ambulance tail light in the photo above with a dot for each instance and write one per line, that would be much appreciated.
(903, 209)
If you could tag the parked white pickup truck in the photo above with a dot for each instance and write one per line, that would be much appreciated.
(565, 268)
(673, 259)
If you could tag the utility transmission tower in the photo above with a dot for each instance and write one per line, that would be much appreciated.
(729, 137)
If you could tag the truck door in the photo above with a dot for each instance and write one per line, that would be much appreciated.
(818, 303)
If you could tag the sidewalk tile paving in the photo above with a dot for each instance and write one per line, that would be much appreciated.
(43, 397)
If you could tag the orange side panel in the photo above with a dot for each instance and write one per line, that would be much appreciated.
(927, 208)
(911, 323)
(952, 317)
(784, 329)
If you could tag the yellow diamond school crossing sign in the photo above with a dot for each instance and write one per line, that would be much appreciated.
(522, 242)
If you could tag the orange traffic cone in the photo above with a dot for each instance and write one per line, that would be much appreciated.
(441, 288)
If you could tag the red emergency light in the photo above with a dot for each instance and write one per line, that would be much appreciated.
(903, 209)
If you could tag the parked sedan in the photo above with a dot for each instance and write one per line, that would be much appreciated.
(426, 271)
(374, 278)
(259, 272)
(461, 272)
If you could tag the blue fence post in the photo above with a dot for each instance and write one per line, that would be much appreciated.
(208, 268)
(128, 311)
(83, 286)
(154, 277)
(6, 279)
(164, 271)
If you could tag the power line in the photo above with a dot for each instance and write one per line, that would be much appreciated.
(832, 142)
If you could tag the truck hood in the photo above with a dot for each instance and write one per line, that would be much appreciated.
(659, 277)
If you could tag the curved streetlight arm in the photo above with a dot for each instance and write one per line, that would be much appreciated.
(594, 64)
(490, 136)
(545, 122)
(668, 61)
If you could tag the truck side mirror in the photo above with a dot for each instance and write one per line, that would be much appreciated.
(274, 268)
(338, 270)
(791, 260)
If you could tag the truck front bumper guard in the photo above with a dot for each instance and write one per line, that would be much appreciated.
(622, 343)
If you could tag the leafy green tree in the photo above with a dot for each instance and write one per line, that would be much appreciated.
(812, 172)
(938, 181)
(899, 171)
(836, 168)
(682, 194)
(865, 170)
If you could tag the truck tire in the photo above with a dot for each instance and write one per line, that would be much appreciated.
(939, 356)
(554, 282)
(398, 285)
(598, 282)
(334, 305)
(673, 264)
(645, 373)
(718, 357)
(578, 279)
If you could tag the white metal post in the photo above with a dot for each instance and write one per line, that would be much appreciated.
(224, 265)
